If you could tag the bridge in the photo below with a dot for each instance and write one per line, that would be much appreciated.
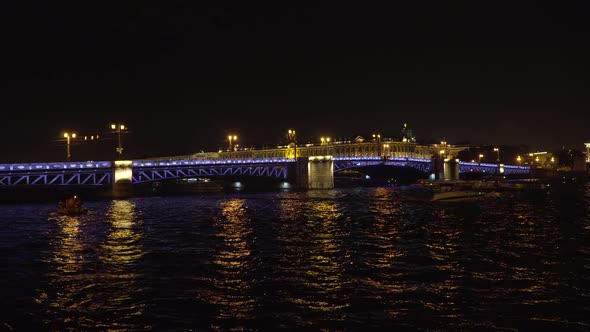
(309, 166)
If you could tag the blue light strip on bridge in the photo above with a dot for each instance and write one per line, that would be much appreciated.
(148, 163)
(54, 166)
(494, 165)
(381, 158)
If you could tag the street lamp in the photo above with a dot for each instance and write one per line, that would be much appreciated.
(92, 137)
(386, 149)
(480, 156)
(378, 138)
(293, 139)
(498, 158)
(118, 127)
(519, 160)
(325, 140)
(69, 136)
(231, 139)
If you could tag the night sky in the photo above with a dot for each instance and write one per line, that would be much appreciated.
(184, 75)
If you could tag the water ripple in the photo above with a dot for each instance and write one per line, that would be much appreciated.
(344, 259)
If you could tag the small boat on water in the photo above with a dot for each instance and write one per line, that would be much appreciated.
(71, 207)
(429, 192)
(457, 196)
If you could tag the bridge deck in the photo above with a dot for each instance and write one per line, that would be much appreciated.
(266, 162)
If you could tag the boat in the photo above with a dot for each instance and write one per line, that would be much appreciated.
(524, 185)
(71, 207)
(457, 196)
(447, 192)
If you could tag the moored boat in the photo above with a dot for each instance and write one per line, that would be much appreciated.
(457, 196)
(442, 192)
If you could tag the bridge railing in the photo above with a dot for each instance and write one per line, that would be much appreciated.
(199, 162)
(384, 148)
(516, 167)
(28, 167)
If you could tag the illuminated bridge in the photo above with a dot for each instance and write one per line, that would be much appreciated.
(313, 162)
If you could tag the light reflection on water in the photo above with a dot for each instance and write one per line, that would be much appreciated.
(93, 273)
(61, 299)
(232, 261)
(310, 234)
(345, 259)
(119, 254)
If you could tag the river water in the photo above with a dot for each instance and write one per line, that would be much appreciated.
(342, 259)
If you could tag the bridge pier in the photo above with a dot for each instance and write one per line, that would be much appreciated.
(316, 172)
(451, 169)
(122, 179)
(445, 169)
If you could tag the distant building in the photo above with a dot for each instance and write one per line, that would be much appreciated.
(541, 159)
(407, 135)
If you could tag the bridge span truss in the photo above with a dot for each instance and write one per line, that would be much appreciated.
(101, 173)
(56, 174)
(342, 163)
(149, 171)
(467, 167)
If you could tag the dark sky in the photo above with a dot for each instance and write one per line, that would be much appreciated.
(183, 75)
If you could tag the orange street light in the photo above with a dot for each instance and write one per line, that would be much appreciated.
(118, 127)
(68, 136)
(293, 139)
(232, 138)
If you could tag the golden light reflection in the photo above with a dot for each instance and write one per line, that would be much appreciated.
(61, 299)
(119, 254)
(312, 248)
(382, 234)
(123, 244)
(443, 243)
(93, 266)
(233, 261)
(68, 255)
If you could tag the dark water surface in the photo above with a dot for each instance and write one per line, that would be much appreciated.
(344, 259)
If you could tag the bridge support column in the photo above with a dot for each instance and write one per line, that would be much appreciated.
(451, 169)
(122, 179)
(445, 169)
(315, 172)
(438, 168)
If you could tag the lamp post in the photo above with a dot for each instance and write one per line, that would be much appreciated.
(498, 158)
(378, 138)
(519, 160)
(68, 136)
(293, 139)
(231, 139)
(480, 156)
(119, 127)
